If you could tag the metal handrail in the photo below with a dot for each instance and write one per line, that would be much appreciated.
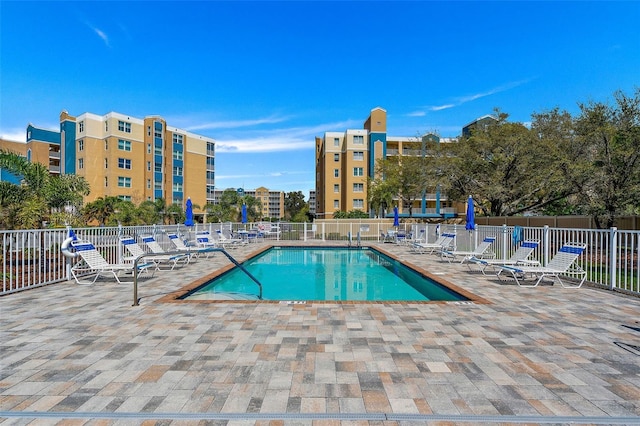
(171, 253)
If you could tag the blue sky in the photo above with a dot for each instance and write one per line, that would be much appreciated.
(264, 78)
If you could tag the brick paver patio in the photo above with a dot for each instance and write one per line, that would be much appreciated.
(74, 354)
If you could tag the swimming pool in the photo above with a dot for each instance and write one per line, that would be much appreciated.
(325, 274)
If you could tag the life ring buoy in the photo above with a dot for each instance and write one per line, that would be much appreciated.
(66, 250)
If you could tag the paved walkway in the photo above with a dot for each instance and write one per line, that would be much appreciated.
(73, 354)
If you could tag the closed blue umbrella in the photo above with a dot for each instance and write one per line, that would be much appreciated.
(244, 213)
(471, 218)
(396, 218)
(188, 213)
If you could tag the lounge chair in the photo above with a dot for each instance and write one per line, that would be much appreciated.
(444, 242)
(205, 240)
(136, 251)
(179, 244)
(157, 249)
(481, 252)
(519, 257)
(93, 262)
(388, 237)
(561, 264)
(228, 242)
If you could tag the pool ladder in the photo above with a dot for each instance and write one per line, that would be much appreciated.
(350, 242)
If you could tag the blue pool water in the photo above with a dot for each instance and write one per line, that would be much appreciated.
(328, 274)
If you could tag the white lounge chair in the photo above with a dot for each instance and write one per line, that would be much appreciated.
(444, 242)
(481, 252)
(519, 257)
(136, 251)
(179, 244)
(157, 249)
(228, 242)
(205, 240)
(94, 263)
(387, 237)
(561, 264)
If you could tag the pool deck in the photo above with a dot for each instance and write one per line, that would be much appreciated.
(72, 354)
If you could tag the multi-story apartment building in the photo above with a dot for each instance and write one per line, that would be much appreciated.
(135, 159)
(43, 146)
(272, 201)
(345, 161)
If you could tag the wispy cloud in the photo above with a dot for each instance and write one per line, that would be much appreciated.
(417, 114)
(97, 31)
(469, 98)
(277, 140)
(234, 124)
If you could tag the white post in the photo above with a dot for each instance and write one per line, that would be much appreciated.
(505, 241)
(613, 257)
(545, 244)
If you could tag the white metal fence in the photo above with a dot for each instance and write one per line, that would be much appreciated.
(32, 258)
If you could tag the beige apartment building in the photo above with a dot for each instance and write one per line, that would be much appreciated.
(135, 159)
(345, 161)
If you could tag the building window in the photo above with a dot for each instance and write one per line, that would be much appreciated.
(358, 156)
(148, 166)
(336, 172)
(177, 138)
(358, 187)
(148, 130)
(157, 150)
(358, 171)
(336, 188)
(124, 145)
(177, 187)
(336, 204)
(336, 141)
(81, 145)
(106, 163)
(124, 163)
(148, 148)
(106, 181)
(358, 140)
(177, 155)
(177, 171)
(106, 144)
(125, 197)
(106, 126)
(80, 163)
(124, 182)
(358, 203)
(157, 167)
(148, 183)
(336, 157)
(124, 126)
(157, 185)
(81, 126)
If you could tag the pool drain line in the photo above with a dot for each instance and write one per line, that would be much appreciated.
(321, 416)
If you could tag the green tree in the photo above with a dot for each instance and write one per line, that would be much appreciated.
(30, 204)
(101, 210)
(502, 166)
(294, 203)
(405, 176)
(380, 194)
(611, 136)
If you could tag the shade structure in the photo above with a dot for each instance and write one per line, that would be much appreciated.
(471, 217)
(188, 213)
(244, 213)
(396, 218)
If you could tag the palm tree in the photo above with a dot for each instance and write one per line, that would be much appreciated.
(29, 204)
